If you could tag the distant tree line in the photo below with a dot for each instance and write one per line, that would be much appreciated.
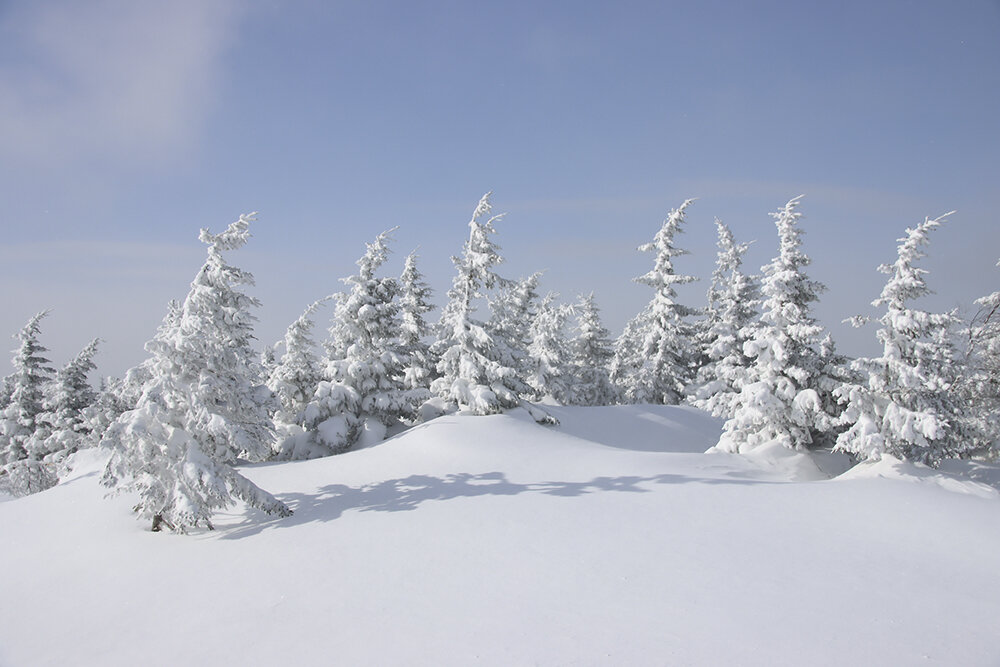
(753, 354)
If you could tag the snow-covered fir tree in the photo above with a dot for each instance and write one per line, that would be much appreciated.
(368, 324)
(907, 405)
(66, 402)
(655, 356)
(363, 394)
(592, 350)
(295, 376)
(476, 371)
(32, 373)
(779, 398)
(728, 324)
(980, 381)
(512, 312)
(415, 331)
(21, 473)
(200, 409)
(550, 374)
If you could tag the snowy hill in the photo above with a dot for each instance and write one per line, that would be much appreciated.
(609, 540)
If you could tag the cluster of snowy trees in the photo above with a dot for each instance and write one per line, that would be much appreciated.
(205, 400)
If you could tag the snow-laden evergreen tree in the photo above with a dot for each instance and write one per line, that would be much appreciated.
(415, 330)
(655, 356)
(980, 380)
(68, 397)
(476, 371)
(592, 350)
(907, 405)
(550, 373)
(512, 311)
(32, 373)
(779, 398)
(728, 324)
(363, 394)
(369, 322)
(295, 376)
(200, 409)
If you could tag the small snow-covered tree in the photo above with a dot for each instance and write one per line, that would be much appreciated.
(476, 370)
(779, 400)
(728, 324)
(654, 358)
(592, 351)
(200, 408)
(512, 312)
(415, 330)
(550, 374)
(69, 395)
(906, 404)
(295, 376)
(21, 416)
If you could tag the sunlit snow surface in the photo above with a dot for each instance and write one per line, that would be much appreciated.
(608, 540)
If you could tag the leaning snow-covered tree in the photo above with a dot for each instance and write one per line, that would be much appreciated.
(907, 406)
(778, 400)
(476, 370)
(728, 324)
(69, 396)
(201, 408)
(654, 358)
(592, 351)
(415, 330)
(550, 374)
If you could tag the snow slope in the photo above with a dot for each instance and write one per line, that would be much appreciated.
(609, 540)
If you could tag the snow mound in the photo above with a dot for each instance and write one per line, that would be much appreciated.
(982, 480)
(607, 540)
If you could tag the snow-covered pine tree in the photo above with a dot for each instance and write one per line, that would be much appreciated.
(21, 473)
(592, 351)
(362, 394)
(200, 409)
(550, 373)
(415, 330)
(68, 397)
(980, 383)
(368, 324)
(654, 358)
(32, 373)
(779, 400)
(294, 377)
(512, 311)
(728, 323)
(476, 371)
(907, 405)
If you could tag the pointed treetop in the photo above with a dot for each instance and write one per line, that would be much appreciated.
(235, 236)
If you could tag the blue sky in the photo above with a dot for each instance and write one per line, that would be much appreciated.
(127, 126)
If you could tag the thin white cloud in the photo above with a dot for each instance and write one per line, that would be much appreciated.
(113, 79)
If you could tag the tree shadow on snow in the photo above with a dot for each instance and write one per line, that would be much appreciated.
(408, 493)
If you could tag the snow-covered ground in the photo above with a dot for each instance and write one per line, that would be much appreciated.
(608, 540)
